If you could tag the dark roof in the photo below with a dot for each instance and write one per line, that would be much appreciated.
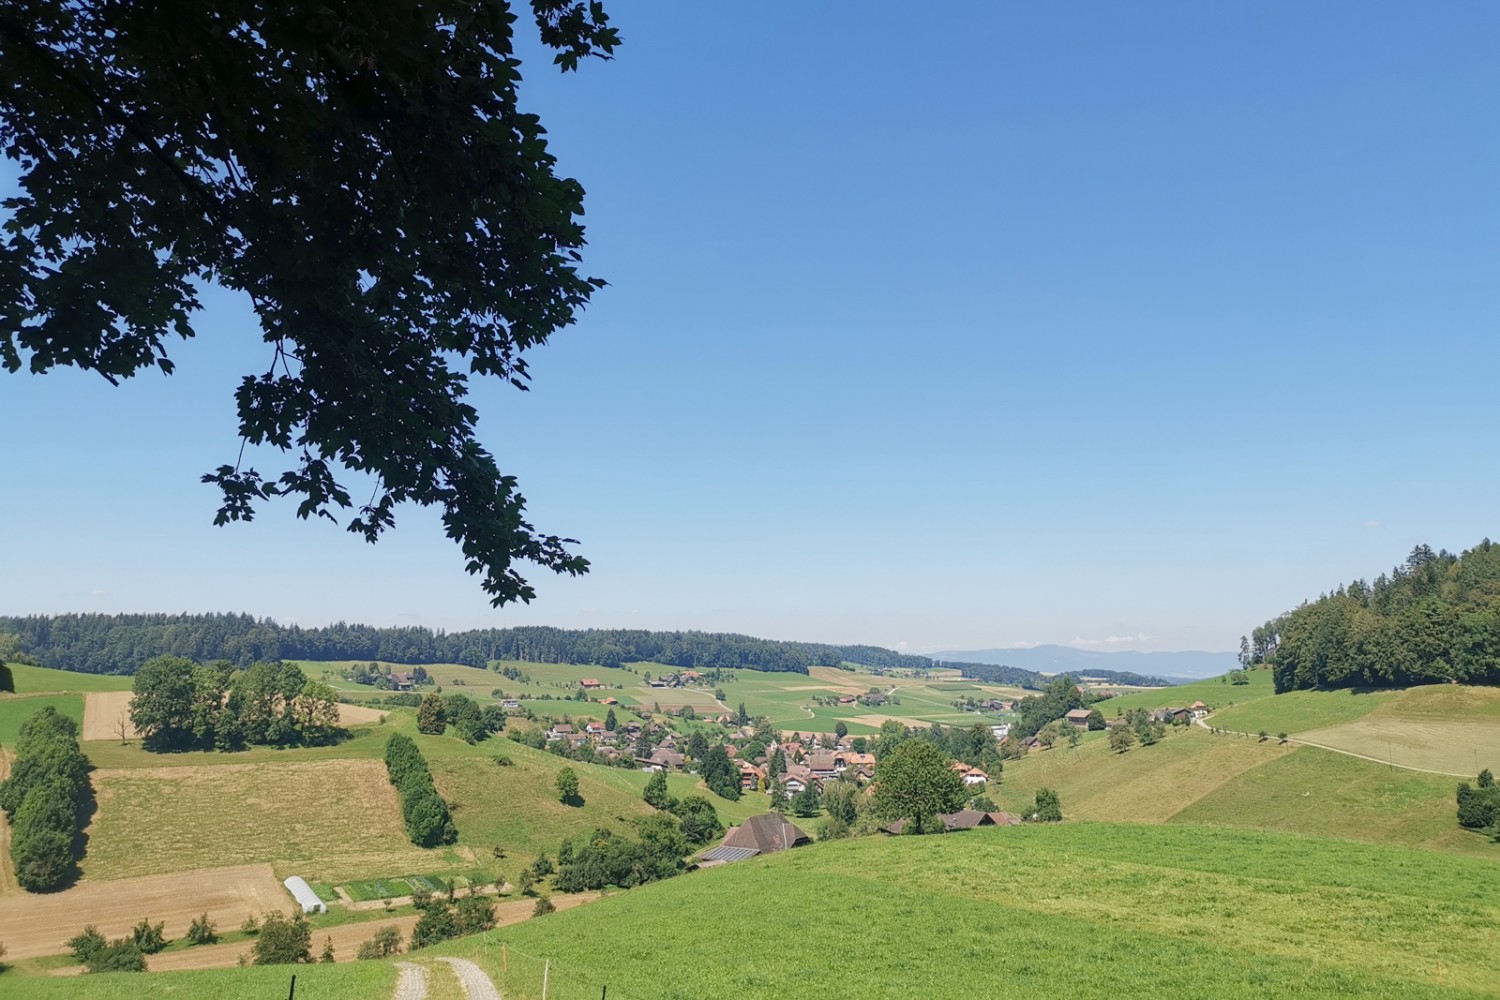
(727, 854)
(964, 819)
(766, 833)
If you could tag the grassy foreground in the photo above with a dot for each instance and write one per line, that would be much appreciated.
(1088, 910)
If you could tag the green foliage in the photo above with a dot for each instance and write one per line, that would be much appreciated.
(544, 906)
(123, 955)
(148, 937)
(914, 782)
(282, 940)
(201, 931)
(1121, 739)
(386, 323)
(567, 786)
(656, 794)
(437, 923)
(700, 821)
(44, 799)
(1479, 808)
(7, 678)
(1047, 808)
(326, 957)
(1059, 697)
(432, 717)
(806, 802)
(425, 814)
(721, 776)
(474, 914)
(606, 858)
(86, 943)
(385, 943)
(179, 704)
(1435, 618)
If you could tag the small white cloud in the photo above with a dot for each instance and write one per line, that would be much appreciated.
(1372, 524)
(98, 593)
(1109, 640)
(901, 646)
(1029, 644)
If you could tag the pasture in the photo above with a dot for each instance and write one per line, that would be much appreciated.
(1231, 914)
(16, 709)
(36, 680)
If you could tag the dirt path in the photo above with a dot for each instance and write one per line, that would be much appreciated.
(1347, 753)
(477, 985)
(413, 982)
(8, 883)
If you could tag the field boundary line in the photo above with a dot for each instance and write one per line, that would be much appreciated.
(1346, 753)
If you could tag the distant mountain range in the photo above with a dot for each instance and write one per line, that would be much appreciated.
(1190, 664)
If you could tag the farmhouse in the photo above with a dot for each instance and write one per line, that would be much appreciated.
(763, 834)
(1198, 709)
(970, 775)
(1078, 717)
(964, 819)
(560, 731)
(510, 704)
(303, 894)
(589, 684)
(662, 760)
(400, 681)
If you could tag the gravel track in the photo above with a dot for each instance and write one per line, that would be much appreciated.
(477, 985)
(413, 982)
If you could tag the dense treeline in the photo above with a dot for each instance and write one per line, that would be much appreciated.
(180, 704)
(1435, 618)
(44, 799)
(990, 673)
(428, 822)
(120, 644)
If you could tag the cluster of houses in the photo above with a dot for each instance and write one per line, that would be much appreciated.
(611, 744)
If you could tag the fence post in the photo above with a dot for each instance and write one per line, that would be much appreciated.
(504, 957)
(546, 971)
(292, 993)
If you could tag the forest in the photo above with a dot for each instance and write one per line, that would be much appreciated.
(120, 644)
(1434, 618)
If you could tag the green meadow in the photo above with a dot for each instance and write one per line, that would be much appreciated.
(15, 709)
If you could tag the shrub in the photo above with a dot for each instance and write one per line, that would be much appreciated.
(86, 943)
(251, 926)
(148, 938)
(543, 906)
(386, 942)
(437, 924)
(1048, 807)
(201, 931)
(123, 955)
(283, 940)
(327, 956)
(474, 914)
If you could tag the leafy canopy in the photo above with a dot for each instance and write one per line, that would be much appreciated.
(362, 173)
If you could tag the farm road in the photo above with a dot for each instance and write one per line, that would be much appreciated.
(1346, 753)
(477, 985)
(413, 982)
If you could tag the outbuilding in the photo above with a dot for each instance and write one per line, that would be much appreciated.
(303, 894)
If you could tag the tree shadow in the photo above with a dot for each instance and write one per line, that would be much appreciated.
(572, 800)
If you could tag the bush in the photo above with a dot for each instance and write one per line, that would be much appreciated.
(1048, 807)
(251, 926)
(474, 914)
(283, 940)
(201, 931)
(543, 906)
(437, 924)
(148, 938)
(123, 955)
(88, 942)
(386, 942)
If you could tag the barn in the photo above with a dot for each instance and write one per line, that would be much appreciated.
(303, 894)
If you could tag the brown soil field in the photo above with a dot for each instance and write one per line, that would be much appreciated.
(101, 715)
(8, 884)
(32, 925)
(326, 820)
(346, 938)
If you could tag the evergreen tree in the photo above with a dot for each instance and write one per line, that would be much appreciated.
(431, 717)
(656, 794)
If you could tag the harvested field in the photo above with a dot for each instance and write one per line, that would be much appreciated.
(102, 711)
(326, 820)
(32, 925)
(346, 937)
(359, 715)
(1458, 747)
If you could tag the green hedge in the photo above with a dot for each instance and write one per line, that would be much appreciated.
(44, 798)
(428, 823)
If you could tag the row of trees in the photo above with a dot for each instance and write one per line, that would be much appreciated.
(45, 799)
(428, 822)
(470, 722)
(1434, 618)
(700, 821)
(180, 704)
(120, 644)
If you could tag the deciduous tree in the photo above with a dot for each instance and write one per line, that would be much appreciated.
(914, 782)
(362, 173)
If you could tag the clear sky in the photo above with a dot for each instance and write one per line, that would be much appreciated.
(929, 326)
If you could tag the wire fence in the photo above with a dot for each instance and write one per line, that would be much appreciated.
(522, 976)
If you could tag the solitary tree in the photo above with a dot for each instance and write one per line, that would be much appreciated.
(283, 940)
(567, 786)
(363, 174)
(1048, 807)
(915, 782)
(656, 794)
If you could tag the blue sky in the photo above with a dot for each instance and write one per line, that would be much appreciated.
(1029, 323)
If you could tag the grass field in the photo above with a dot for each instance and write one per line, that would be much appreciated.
(359, 981)
(1106, 909)
(33, 680)
(16, 709)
